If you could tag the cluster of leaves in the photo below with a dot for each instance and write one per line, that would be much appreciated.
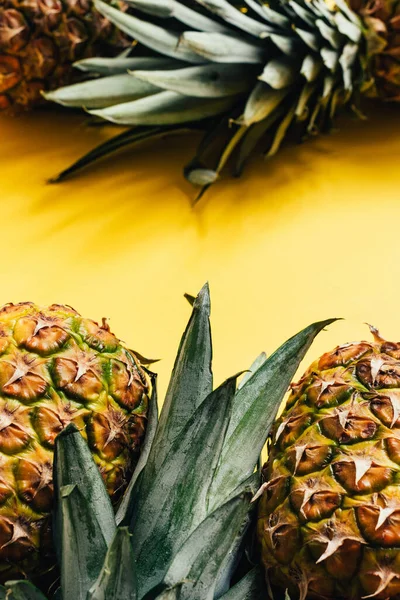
(248, 73)
(179, 531)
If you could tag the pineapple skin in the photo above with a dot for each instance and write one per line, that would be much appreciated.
(382, 20)
(329, 513)
(39, 41)
(58, 368)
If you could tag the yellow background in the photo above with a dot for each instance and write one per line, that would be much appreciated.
(313, 233)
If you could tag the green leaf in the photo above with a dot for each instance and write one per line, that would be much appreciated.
(320, 8)
(125, 510)
(157, 8)
(347, 59)
(259, 361)
(113, 66)
(191, 299)
(99, 93)
(265, 12)
(310, 39)
(175, 502)
(83, 545)
(184, 14)
(204, 81)
(84, 518)
(21, 590)
(311, 67)
(191, 380)
(233, 16)
(281, 131)
(254, 410)
(200, 176)
(197, 563)
(255, 134)
(222, 48)
(157, 38)
(251, 587)
(286, 44)
(280, 73)
(302, 108)
(348, 28)
(305, 14)
(201, 557)
(165, 108)
(237, 549)
(330, 58)
(117, 579)
(330, 34)
(261, 103)
(350, 14)
(131, 137)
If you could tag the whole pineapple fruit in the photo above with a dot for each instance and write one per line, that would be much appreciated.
(58, 368)
(39, 41)
(329, 515)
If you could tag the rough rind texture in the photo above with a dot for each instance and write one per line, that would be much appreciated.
(58, 368)
(382, 19)
(329, 515)
(39, 41)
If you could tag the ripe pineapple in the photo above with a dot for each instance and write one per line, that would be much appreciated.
(58, 368)
(329, 514)
(247, 72)
(185, 522)
(39, 41)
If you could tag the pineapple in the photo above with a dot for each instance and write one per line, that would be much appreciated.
(58, 368)
(186, 519)
(329, 514)
(40, 39)
(248, 73)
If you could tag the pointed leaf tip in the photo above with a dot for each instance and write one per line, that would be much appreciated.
(191, 299)
(254, 410)
(203, 297)
(68, 430)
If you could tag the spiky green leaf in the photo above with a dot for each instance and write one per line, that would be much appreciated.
(203, 81)
(114, 66)
(176, 10)
(20, 590)
(233, 16)
(197, 563)
(157, 38)
(272, 17)
(254, 410)
(165, 108)
(258, 362)
(262, 102)
(84, 518)
(279, 73)
(191, 380)
(251, 587)
(222, 48)
(117, 579)
(125, 510)
(99, 93)
(175, 501)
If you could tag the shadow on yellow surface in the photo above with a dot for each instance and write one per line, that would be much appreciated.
(311, 234)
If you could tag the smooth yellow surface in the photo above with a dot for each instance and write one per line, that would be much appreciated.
(312, 234)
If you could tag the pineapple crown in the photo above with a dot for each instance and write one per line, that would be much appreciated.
(248, 74)
(181, 526)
